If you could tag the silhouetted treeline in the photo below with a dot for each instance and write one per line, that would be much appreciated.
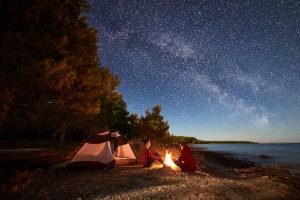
(193, 140)
(186, 139)
(51, 83)
(227, 142)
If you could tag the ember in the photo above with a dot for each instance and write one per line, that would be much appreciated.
(169, 162)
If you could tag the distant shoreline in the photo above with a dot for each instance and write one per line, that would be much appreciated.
(228, 159)
(244, 142)
(257, 156)
(227, 142)
(279, 143)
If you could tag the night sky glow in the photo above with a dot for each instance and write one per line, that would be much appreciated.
(222, 70)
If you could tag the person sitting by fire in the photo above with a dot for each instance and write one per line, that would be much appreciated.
(147, 157)
(186, 161)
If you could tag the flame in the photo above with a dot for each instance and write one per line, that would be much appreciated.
(169, 162)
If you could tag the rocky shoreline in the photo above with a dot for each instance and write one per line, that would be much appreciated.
(220, 176)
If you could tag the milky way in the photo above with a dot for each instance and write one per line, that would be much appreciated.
(221, 70)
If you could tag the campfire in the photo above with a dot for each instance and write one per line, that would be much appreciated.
(169, 162)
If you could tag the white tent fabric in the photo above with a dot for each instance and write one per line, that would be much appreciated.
(94, 152)
(125, 151)
(97, 149)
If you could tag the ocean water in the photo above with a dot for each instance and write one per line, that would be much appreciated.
(280, 153)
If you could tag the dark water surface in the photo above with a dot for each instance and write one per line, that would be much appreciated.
(279, 153)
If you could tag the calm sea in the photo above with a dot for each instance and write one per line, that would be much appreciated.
(280, 153)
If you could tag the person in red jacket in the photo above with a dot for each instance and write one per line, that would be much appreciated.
(186, 161)
(147, 157)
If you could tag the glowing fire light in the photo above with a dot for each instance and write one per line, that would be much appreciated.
(169, 162)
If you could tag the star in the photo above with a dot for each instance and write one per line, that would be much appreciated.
(215, 64)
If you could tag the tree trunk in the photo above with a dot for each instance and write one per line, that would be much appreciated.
(62, 134)
(7, 101)
(54, 135)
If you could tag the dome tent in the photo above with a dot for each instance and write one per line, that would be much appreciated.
(103, 150)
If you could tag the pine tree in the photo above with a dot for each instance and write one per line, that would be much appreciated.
(114, 114)
(50, 65)
(153, 125)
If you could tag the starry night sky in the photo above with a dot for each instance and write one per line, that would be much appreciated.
(222, 70)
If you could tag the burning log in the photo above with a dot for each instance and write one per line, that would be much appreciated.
(169, 162)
